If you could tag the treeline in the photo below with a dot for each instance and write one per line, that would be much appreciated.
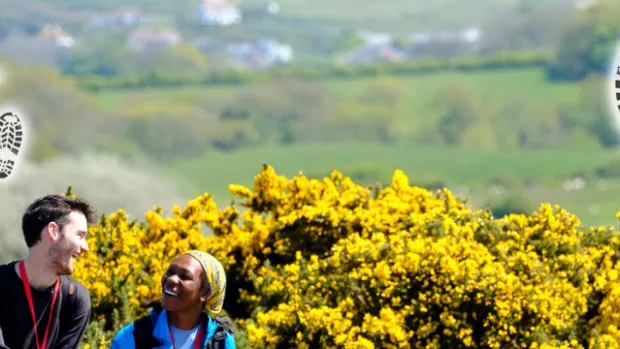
(588, 43)
(164, 78)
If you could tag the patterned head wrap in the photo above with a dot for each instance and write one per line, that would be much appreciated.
(216, 277)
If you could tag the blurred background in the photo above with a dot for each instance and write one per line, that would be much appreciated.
(151, 102)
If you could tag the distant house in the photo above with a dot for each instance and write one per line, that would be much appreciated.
(470, 35)
(376, 52)
(385, 47)
(421, 38)
(54, 33)
(47, 48)
(262, 54)
(218, 12)
(145, 38)
(121, 17)
(373, 38)
(273, 7)
(446, 43)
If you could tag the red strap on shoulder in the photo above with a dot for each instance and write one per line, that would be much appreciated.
(26, 283)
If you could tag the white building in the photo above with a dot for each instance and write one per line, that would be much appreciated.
(218, 12)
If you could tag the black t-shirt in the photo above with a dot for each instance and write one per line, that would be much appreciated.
(69, 320)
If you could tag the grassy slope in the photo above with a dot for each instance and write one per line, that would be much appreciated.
(214, 172)
(457, 165)
(494, 87)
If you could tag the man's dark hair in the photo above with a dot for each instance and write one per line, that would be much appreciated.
(52, 208)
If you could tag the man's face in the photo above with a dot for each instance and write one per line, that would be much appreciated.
(70, 244)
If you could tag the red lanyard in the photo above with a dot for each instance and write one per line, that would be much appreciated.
(196, 342)
(24, 275)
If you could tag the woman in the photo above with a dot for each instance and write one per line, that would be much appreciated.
(194, 281)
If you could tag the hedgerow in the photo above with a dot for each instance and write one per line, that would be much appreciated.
(332, 264)
(493, 61)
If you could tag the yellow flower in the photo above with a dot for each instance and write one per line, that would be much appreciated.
(330, 263)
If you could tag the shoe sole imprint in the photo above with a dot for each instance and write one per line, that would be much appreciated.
(11, 137)
(6, 167)
(617, 93)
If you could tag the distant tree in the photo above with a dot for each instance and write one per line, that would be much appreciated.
(480, 135)
(108, 58)
(533, 26)
(591, 113)
(111, 58)
(233, 134)
(374, 112)
(587, 46)
(528, 124)
(287, 134)
(348, 41)
(461, 114)
(166, 131)
(58, 113)
(512, 204)
(402, 43)
(178, 59)
(283, 110)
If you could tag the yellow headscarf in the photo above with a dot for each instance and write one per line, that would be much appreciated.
(216, 277)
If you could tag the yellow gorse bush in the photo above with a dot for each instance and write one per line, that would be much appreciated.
(332, 264)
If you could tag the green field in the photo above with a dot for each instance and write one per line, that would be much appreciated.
(495, 88)
(456, 167)
(421, 109)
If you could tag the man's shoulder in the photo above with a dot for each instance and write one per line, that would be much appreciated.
(77, 284)
(77, 290)
(6, 269)
(76, 287)
(7, 265)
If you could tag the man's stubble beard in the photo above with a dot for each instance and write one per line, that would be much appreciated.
(60, 255)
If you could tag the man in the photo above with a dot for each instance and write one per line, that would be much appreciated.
(40, 287)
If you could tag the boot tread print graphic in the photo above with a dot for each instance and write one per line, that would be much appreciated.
(618, 87)
(11, 136)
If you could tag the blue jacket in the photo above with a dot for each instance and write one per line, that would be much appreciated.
(124, 337)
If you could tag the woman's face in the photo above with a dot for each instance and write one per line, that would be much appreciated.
(182, 285)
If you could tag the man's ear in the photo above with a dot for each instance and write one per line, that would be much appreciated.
(52, 230)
